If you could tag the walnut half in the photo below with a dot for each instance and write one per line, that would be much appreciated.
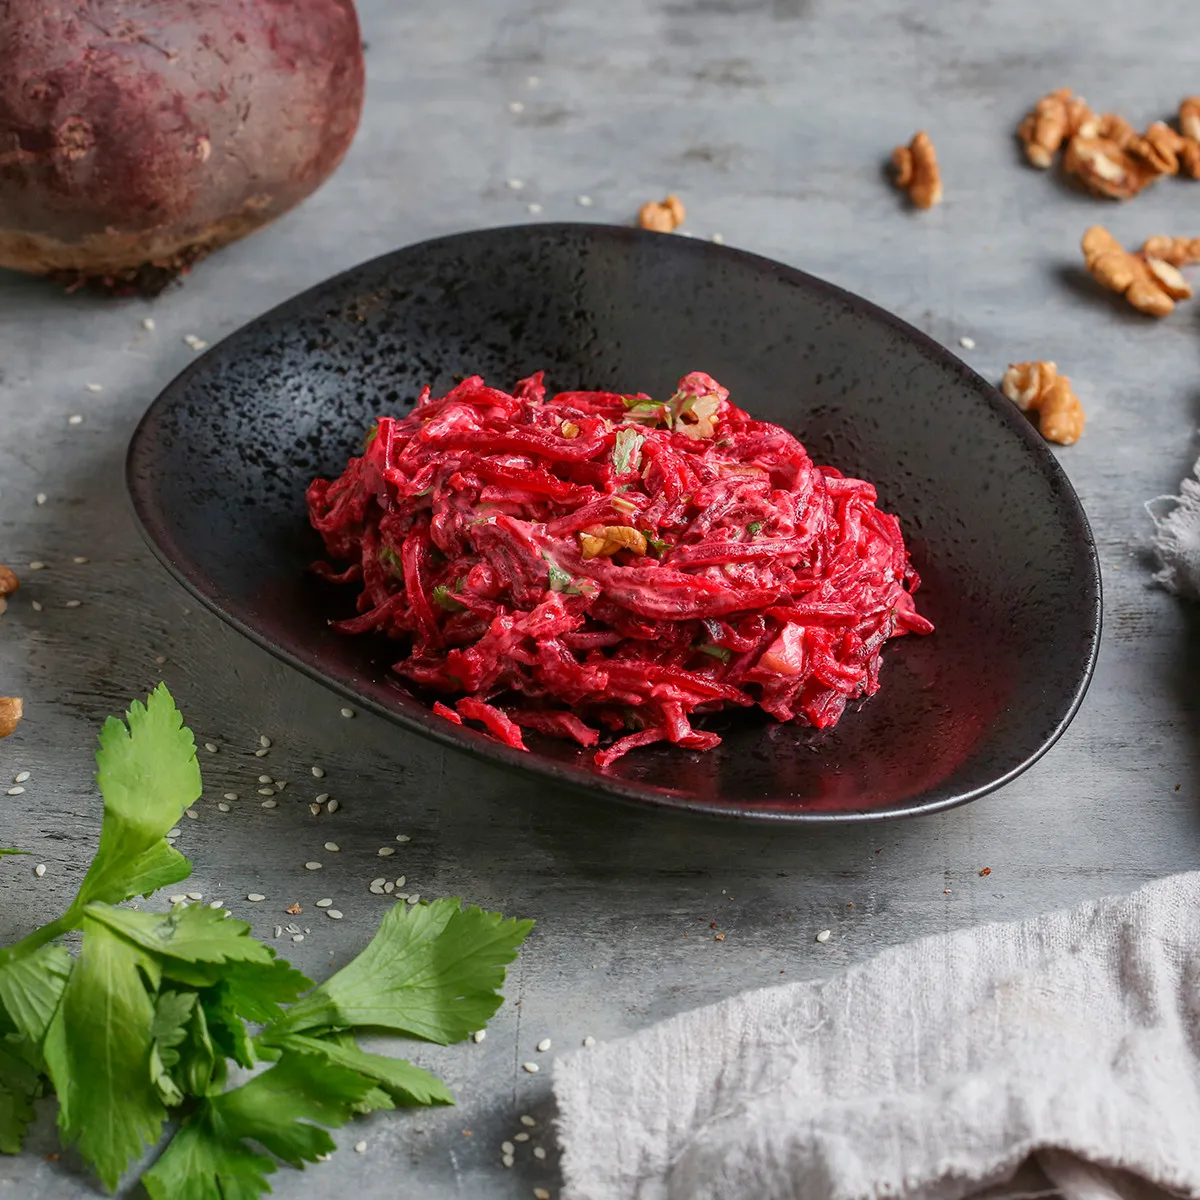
(665, 216)
(11, 711)
(1151, 284)
(1037, 387)
(916, 171)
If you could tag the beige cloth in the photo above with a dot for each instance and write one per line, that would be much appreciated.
(1061, 1053)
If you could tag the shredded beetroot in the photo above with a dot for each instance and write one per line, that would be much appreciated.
(606, 562)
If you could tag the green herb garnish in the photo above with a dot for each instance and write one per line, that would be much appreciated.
(754, 528)
(716, 652)
(627, 451)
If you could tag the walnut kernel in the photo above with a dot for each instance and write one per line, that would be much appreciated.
(610, 540)
(1104, 168)
(11, 711)
(665, 216)
(1159, 148)
(1178, 251)
(916, 171)
(8, 581)
(1054, 119)
(1150, 284)
(1037, 387)
(1189, 117)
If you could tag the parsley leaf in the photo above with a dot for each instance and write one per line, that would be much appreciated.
(20, 1082)
(715, 652)
(172, 1011)
(627, 451)
(8, 850)
(443, 597)
(194, 934)
(754, 528)
(431, 971)
(148, 775)
(31, 987)
(97, 1049)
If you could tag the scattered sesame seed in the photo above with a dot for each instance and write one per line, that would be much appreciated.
(211, 747)
(324, 903)
(589, 1041)
(584, 201)
(719, 239)
(297, 937)
(401, 881)
(334, 914)
(413, 898)
(399, 895)
(403, 837)
(195, 895)
(318, 772)
(533, 208)
(378, 882)
(16, 791)
(264, 742)
(40, 870)
(521, 1137)
(217, 904)
(967, 343)
(347, 713)
(36, 605)
(264, 779)
(159, 659)
(231, 795)
(389, 888)
(266, 791)
(332, 847)
(222, 806)
(539, 1152)
(507, 1147)
(514, 185)
(824, 935)
(193, 342)
(515, 106)
(37, 566)
(20, 777)
(75, 419)
(544, 1044)
(376, 889)
(79, 560)
(332, 806)
(315, 809)
(260, 753)
(95, 387)
(360, 1147)
(532, 80)
(174, 832)
(191, 814)
(148, 323)
(40, 498)
(73, 604)
(478, 1036)
(507, 1160)
(178, 899)
(270, 803)
(322, 797)
(531, 1067)
(386, 851)
(312, 866)
(278, 930)
(255, 897)
(528, 1122)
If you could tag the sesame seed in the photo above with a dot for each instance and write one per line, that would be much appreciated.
(278, 930)
(528, 1122)
(347, 713)
(255, 897)
(79, 560)
(297, 937)
(178, 899)
(95, 387)
(195, 895)
(539, 1152)
(222, 806)
(324, 903)
(824, 935)
(40, 498)
(334, 914)
(20, 777)
(264, 742)
(264, 779)
(389, 888)
(174, 832)
(532, 80)
(718, 239)
(266, 791)
(191, 814)
(260, 753)
(378, 882)
(967, 343)
(312, 866)
(533, 208)
(36, 605)
(514, 185)
(318, 772)
(211, 747)
(332, 847)
(159, 659)
(231, 795)
(401, 881)
(193, 342)
(589, 1041)
(506, 1160)
(360, 1147)
(507, 1147)
(40, 870)
(376, 889)
(478, 1036)
(148, 323)
(16, 791)
(541, 1193)
(399, 895)
(270, 803)
(544, 1044)
(217, 904)
(515, 106)
(521, 1137)
(332, 806)
(584, 201)
(531, 1067)
(37, 566)
(414, 897)
(403, 837)
(386, 851)
(315, 809)
(75, 419)
(73, 604)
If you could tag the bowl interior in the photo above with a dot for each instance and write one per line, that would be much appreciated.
(219, 466)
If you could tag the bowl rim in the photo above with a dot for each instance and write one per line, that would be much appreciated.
(139, 464)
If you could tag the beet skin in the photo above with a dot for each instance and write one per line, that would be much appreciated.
(136, 136)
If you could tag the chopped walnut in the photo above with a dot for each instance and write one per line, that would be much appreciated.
(1054, 119)
(610, 540)
(1151, 285)
(8, 581)
(1189, 117)
(1189, 158)
(1106, 169)
(665, 216)
(1037, 387)
(11, 711)
(1178, 251)
(916, 171)
(1159, 148)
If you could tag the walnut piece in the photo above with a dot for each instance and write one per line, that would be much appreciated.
(1189, 117)
(1159, 148)
(1150, 284)
(1178, 251)
(1037, 387)
(11, 711)
(665, 216)
(611, 539)
(916, 171)
(1103, 167)
(8, 581)
(1054, 119)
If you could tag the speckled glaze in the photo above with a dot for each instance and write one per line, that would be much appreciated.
(218, 467)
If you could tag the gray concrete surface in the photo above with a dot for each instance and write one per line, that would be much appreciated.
(771, 118)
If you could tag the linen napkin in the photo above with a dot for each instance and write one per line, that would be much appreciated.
(1057, 1055)
(1176, 541)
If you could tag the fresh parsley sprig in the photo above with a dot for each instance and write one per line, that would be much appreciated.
(142, 1025)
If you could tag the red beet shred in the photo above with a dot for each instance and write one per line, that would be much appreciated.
(607, 566)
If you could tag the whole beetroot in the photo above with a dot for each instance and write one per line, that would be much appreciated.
(136, 136)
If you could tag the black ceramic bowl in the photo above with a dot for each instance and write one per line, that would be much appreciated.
(218, 467)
